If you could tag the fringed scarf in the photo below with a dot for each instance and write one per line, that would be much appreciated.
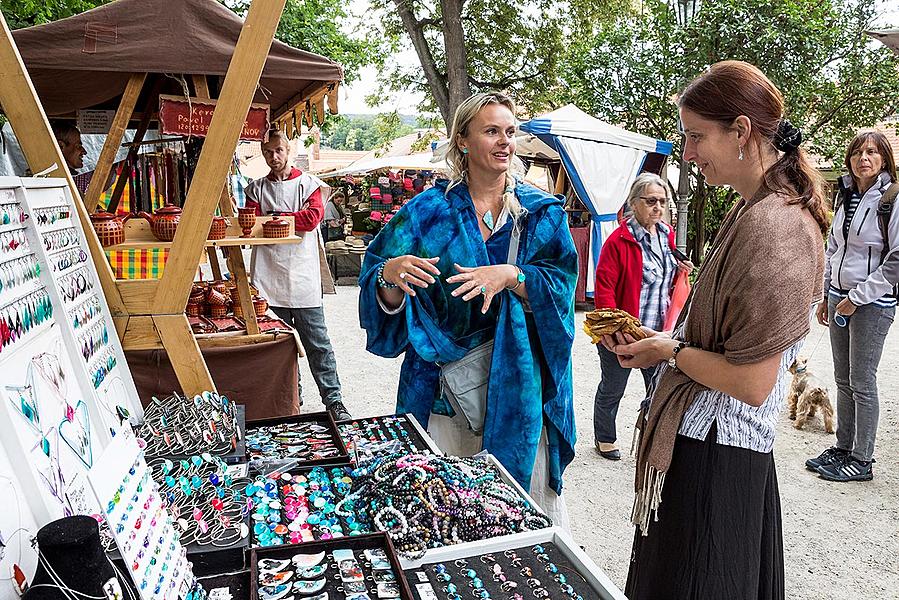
(751, 301)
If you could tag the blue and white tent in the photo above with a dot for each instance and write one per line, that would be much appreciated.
(601, 161)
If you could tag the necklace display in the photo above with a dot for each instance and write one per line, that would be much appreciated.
(304, 506)
(366, 439)
(425, 501)
(539, 571)
(339, 571)
(177, 426)
(298, 441)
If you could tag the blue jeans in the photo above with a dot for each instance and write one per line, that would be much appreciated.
(609, 392)
(857, 349)
(310, 325)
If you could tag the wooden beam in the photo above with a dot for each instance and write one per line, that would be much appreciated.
(215, 158)
(238, 271)
(184, 353)
(213, 256)
(152, 100)
(113, 141)
(201, 86)
(138, 295)
(141, 334)
(26, 116)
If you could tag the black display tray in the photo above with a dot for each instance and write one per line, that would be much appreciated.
(237, 584)
(512, 574)
(322, 418)
(416, 434)
(296, 471)
(356, 543)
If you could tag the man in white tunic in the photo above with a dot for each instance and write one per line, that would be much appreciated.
(289, 275)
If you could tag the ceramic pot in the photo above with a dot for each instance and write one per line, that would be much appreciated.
(219, 228)
(109, 227)
(163, 222)
(246, 218)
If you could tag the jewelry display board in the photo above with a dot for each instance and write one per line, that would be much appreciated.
(377, 436)
(142, 526)
(87, 326)
(537, 564)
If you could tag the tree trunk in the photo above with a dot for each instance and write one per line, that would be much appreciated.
(456, 57)
(697, 216)
(436, 81)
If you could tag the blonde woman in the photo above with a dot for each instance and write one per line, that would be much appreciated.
(440, 280)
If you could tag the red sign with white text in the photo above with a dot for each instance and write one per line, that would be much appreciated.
(178, 116)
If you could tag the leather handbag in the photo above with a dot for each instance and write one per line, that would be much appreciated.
(464, 382)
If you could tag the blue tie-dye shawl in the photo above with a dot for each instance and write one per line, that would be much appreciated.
(530, 377)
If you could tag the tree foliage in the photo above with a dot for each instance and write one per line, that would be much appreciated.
(834, 78)
(25, 13)
(364, 132)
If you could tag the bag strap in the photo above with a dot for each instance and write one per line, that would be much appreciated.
(514, 239)
(884, 211)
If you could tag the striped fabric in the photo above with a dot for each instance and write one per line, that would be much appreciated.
(738, 423)
(658, 274)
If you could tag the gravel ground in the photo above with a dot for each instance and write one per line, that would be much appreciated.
(840, 540)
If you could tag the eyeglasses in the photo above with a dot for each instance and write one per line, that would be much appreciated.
(652, 201)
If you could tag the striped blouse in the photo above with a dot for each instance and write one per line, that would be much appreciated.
(739, 424)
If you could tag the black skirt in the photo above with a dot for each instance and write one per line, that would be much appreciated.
(719, 533)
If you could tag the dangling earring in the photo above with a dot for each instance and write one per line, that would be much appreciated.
(464, 150)
(740, 156)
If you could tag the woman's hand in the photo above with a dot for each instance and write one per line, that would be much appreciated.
(846, 307)
(486, 281)
(408, 270)
(685, 266)
(821, 313)
(645, 353)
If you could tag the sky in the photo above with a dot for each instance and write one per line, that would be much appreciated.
(352, 97)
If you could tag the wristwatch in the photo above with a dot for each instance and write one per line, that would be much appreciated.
(672, 362)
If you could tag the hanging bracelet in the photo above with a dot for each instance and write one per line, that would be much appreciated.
(383, 283)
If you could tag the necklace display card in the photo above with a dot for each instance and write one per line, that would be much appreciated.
(387, 434)
(295, 442)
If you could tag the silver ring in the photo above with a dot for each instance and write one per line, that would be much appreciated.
(402, 275)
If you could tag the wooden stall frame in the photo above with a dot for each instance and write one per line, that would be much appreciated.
(150, 313)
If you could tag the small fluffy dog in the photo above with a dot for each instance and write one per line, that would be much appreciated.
(807, 394)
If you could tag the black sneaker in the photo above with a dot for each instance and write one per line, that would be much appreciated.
(339, 411)
(848, 469)
(828, 457)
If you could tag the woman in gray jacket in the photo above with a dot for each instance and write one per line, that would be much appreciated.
(860, 275)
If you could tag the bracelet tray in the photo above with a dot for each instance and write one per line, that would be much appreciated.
(417, 433)
(322, 418)
(357, 543)
(601, 586)
(236, 456)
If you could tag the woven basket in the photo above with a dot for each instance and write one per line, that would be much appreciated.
(260, 305)
(193, 309)
(218, 311)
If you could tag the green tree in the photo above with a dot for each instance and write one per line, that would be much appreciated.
(835, 79)
(25, 13)
(464, 46)
(364, 132)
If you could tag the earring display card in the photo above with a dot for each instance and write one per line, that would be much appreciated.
(362, 567)
(294, 442)
(538, 564)
(55, 231)
(378, 436)
(141, 524)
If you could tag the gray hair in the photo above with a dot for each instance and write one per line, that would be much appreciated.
(643, 181)
(458, 161)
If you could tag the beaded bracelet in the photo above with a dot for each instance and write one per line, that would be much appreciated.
(383, 283)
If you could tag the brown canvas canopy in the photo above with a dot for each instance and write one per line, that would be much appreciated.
(85, 61)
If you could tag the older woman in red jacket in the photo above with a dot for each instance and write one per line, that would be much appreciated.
(635, 273)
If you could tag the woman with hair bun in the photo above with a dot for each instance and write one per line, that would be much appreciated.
(707, 508)
(482, 257)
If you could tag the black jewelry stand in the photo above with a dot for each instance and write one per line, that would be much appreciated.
(73, 550)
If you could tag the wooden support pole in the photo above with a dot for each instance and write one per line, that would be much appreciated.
(26, 116)
(113, 141)
(238, 270)
(215, 159)
(139, 134)
(184, 353)
(213, 256)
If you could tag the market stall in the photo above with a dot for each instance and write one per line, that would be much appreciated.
(595, 164)
(141, 61)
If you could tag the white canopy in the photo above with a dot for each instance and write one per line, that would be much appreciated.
(420, 161)
(601, 161)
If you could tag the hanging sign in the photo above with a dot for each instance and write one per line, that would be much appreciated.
(178, 116)
(95, 121)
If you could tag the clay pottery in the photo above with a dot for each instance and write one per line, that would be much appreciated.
(109, 227)
(163, 222)
(215, 297)
(219, 228)
(260, 305)
(246, 218)
(276, 228)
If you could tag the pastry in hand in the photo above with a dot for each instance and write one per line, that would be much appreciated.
(608, 321)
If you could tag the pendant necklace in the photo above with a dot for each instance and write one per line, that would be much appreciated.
(486, 217)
